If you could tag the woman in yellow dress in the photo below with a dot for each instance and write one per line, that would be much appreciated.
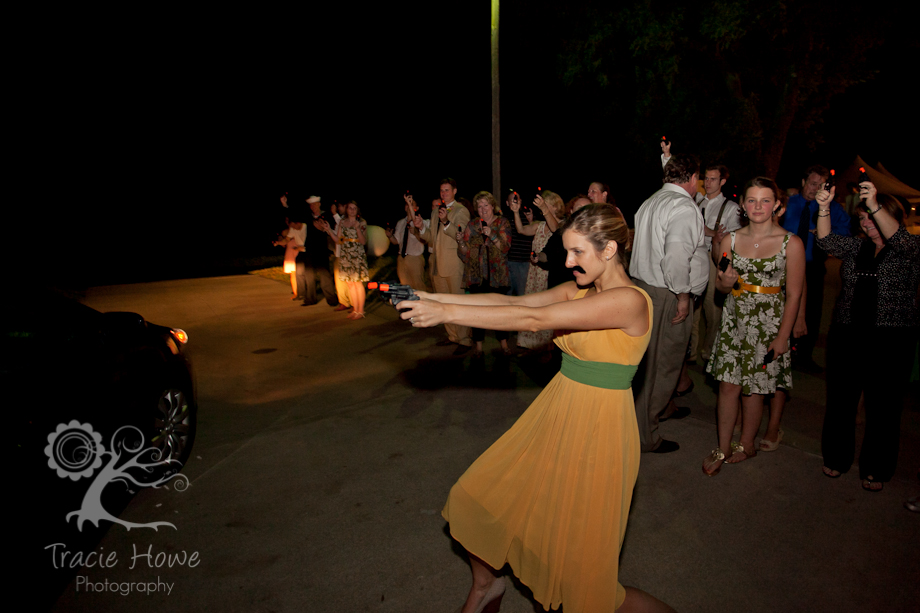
(551, 497)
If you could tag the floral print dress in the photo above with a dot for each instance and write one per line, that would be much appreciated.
(750, 322)
(352, 257)
(536, 283)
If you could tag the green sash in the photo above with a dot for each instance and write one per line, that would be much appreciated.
(598, 374)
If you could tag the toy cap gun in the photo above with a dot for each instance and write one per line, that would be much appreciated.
(767, 359)
(395, 292)
(863, 176)
(723, 266)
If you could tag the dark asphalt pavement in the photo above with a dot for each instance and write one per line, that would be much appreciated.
(326, 448)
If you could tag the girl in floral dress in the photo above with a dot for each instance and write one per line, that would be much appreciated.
(750, 357)
(352, 235)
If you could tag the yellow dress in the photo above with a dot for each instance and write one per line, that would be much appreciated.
(551, 496)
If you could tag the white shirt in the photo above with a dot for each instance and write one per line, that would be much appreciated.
(299, 236)
(415, 247)
(668, 248)
(731, 217)
(337, 218)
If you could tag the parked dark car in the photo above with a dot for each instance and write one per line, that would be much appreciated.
(70, 374)
(63, 361)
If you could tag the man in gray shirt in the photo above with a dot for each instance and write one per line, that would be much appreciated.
(669, 262)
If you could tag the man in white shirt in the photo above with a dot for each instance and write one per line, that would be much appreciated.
(410, 259)
(719, 214)
(447, 221)
(669, 261)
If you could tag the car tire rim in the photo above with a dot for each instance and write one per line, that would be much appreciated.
(171, 425)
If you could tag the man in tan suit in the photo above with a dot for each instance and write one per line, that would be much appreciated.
(447, 222)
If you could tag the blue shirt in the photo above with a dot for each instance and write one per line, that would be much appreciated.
(840, 221)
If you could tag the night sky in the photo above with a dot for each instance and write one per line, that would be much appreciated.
(159, 148)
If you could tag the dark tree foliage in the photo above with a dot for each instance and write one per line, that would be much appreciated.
(728, 79)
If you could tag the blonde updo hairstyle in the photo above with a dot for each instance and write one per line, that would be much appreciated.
(600, 224)
(555, 203)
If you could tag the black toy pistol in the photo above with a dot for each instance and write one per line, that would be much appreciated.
(723, 266)
(767, 359)
(395, 292)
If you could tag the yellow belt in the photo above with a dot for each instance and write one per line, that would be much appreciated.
(757, 289)
(349, 240)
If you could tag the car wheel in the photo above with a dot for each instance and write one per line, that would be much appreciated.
(174, 426)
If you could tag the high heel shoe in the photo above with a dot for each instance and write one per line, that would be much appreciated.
(492, 601)
(766, 445)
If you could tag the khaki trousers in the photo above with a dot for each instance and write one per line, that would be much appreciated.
(452, 285)
(707, 319)
(656, 379)
(411, 271)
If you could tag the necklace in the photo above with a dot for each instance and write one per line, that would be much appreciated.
(756, 245)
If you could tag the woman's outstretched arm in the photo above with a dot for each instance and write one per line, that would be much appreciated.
(623, 307)
(560, 293)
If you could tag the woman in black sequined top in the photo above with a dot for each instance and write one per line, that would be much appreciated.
(873, 337)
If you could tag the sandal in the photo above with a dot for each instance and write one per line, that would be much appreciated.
(717, 455)
(739, 448)
(766, 445)
(830, 472)
(871, 485)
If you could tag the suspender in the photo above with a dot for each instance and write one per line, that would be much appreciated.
(721, 210)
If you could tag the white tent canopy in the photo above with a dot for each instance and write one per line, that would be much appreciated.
(884, 181)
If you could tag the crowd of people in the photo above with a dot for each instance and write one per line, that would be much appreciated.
(329, 247)
(739, 285)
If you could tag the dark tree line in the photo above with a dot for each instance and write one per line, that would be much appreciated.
(727, 79)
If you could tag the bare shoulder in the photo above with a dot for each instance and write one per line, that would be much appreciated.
(630, 293)
(625, 299)
(633, 306)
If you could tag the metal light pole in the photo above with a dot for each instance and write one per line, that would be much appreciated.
(496, 126)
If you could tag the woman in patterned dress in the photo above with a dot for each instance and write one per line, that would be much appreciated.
(876, 321)
(483, 248)
(750, 357)
(352, 235)
(553, 210)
